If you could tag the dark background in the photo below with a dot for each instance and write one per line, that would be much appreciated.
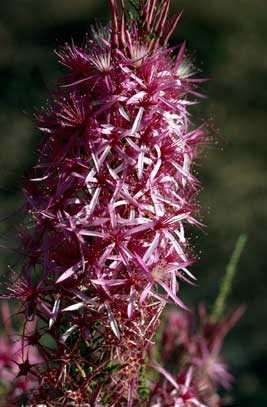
(228, 42)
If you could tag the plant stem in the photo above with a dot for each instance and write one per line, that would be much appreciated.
(228, 278)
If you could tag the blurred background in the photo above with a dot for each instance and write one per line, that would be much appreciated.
(228, 42)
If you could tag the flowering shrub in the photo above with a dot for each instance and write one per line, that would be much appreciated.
(109, 202)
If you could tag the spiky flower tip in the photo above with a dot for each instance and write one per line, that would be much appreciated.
(110, 198)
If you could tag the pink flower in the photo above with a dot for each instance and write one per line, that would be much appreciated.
(14, 358)
(110, 200)
(194, 345)
(176, 393)
(209, 344)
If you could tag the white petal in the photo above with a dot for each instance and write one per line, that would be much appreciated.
(74, 307)
(113, 322)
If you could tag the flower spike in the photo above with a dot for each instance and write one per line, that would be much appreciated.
(110, 201)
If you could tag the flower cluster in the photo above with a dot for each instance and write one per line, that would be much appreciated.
(109, 202)
(190, 348)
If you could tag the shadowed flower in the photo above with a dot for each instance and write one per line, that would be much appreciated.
(179, 392)
(15, 356)
(194, 345)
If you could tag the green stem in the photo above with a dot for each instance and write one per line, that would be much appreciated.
(228, 279)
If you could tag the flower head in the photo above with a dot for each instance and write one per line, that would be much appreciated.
(110, 200)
